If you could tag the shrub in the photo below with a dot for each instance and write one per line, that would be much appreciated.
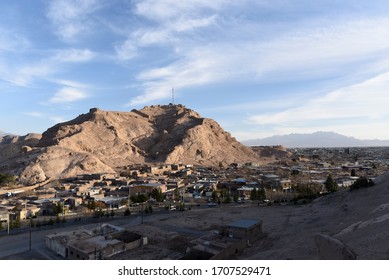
(362, 182)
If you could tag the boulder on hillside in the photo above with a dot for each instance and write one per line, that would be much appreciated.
(330, 248)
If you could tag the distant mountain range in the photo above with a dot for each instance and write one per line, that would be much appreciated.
(315, 140)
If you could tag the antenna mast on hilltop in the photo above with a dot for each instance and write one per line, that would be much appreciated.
(172, 95)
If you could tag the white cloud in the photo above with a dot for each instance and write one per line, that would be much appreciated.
(354, 109)
(355, 47)
(11, 40)
(74, 55)
(72, 17)
(171, 21)
(126, 51)
(23, 75)
(35, 114)
(72, 84)
(162, 10)
(58, 119)
(68, 95)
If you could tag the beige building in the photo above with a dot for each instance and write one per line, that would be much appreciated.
(91, 244)
(147, 188)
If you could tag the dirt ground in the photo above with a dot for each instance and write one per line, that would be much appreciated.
(359, 218)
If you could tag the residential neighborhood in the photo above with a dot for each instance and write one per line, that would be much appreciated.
(146, 188)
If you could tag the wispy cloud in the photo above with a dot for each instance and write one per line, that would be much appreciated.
(169, 22)
(73, 55)
(24, 73)
(11, 40)
(68, 95)
(72, 84)
(303, 54)
(58, 119)
(342, 110)
(35, 114)
(72, 17)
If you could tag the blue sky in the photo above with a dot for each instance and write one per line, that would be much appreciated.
(258, 67)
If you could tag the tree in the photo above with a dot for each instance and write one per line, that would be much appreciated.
(7, 179)
(17, 222)
(353, 173)
(139, 198)
(227, 198)
(127, 212)
(58, 208)
(1, 225)
(91, 205)
(254, 194)
(214, 195)
(157, 195)
(362, 182)
(261, 194)
(236, 197)
(330, 184)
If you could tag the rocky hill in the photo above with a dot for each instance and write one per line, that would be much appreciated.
(101, 141)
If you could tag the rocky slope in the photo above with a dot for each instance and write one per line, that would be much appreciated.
(14, 150)
(102, 141)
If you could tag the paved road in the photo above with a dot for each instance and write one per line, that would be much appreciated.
(18, 242)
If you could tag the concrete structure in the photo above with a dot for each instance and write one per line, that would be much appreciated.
(4, 217)
(97, 243)
(234, 238)
(249, 230)
(147, 188)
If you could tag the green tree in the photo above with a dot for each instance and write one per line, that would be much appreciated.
(261, 194)
(7, 179)
(1, 225)
(236, 197)
(227, 198)
(362, 182)
(91, 205)
(139, 198)
(157, 195)
(17, 222)
(214, 195)
(331, 184)
(127, 212)
(254, 194)
(58, 208)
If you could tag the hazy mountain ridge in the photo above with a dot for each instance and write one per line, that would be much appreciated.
(317, 139)
(102, 141)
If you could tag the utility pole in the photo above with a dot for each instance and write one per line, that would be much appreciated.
(173, 96)
(30, 231)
